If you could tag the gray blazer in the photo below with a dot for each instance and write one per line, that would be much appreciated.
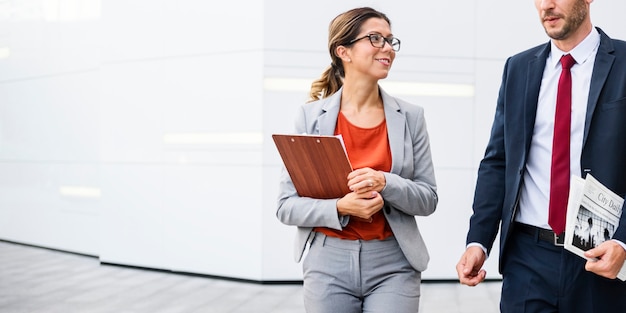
(410, 189)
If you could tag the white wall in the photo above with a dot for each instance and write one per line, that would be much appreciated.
(139, 132)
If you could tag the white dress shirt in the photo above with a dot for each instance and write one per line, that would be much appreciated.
(535, 192)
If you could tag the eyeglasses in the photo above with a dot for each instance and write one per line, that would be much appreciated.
(378, 41)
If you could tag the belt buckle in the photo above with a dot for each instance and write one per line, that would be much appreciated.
(559, 240)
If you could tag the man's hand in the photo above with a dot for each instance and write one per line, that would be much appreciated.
(610, 257)
(470, 266)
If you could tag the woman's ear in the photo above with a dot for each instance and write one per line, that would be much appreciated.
(343, 53)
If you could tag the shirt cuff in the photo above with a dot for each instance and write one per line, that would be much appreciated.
(620, 243)
(476, 244)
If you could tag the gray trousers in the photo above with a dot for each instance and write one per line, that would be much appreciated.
(354, 276)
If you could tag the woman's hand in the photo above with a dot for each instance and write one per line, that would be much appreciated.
(363, 205)
(366, 180)
(365, 200)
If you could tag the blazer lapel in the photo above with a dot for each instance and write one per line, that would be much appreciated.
(604, 62)
(536, 67)
(327, 121)
(396, 123)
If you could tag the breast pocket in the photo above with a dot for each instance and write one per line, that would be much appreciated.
(611, 105)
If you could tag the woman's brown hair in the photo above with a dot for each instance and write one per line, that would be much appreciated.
(343, 28)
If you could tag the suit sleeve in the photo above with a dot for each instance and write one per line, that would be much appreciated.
(302, 211)
(490, 185)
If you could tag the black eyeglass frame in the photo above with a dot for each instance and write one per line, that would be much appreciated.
(389, 40)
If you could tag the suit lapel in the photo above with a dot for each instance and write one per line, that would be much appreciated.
(603, 63)
(396, 122)
(327, 121)
(536, 67)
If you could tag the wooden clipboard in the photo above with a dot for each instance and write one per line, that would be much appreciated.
(317, 165)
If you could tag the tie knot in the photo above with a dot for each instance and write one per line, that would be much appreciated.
(567, 61)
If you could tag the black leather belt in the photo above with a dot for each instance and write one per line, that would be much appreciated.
(541, 233)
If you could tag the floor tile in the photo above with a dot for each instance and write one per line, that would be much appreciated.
(38, 280)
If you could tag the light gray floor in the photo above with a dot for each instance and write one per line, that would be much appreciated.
(37, 280)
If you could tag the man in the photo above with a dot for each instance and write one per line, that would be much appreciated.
(518, 173)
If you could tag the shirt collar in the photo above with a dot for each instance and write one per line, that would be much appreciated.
(581, 53)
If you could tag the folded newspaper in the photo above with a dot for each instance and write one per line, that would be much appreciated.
(593, 213)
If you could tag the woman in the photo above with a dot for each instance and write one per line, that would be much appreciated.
(366, 253)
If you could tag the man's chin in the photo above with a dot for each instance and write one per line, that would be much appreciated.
(556, 33)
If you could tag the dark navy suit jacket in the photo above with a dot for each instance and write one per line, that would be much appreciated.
(501, 171)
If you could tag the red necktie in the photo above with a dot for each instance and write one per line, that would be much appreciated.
(560, 170)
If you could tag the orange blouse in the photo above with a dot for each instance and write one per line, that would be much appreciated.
(366, 147)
